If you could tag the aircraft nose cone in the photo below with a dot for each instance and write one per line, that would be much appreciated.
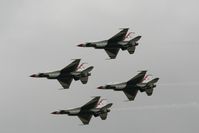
(100, 87)
(33, 75)
(80, 45)
(55, 112)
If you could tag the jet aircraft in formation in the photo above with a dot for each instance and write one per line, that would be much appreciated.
(131, 87)
(95, 107)
(92, 108)
(67, 74)
(115, 43)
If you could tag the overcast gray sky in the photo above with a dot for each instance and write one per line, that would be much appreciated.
(41, 35)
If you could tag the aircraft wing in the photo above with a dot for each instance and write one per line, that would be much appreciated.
(119, 36)
(131, 93)
(91, 104)
(85, 118)
(112, 53)
(137, 79)
(71, 67)
(65, 82)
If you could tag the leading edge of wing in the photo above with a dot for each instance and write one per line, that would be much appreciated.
(72, 66)
(85, 118)
(65, 82)
(112, 53)
(120, 36)
(131, 94)
(92, 103)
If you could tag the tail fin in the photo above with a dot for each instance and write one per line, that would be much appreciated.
(85, 74)
(131, 49)
(149, 92)
(105, 111)
(151, 85)
(84, 80)
(103, 116)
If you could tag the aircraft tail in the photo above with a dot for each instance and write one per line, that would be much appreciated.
(84, 80)
(87, 70)
(107, 106)
(153, 81)
(137, 38)
(105, 111)
(149, 92)
(133, 42)
(131, 49)
(151, 85)
(103, 116)
(85, 73)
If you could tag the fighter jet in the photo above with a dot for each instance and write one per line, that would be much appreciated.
(93, 107)
(67, 74)
(115, 43)
(131, 87)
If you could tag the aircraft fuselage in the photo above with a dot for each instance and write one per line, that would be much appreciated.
(106, 44)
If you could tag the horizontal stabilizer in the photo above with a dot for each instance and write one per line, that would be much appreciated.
(135, 39)
(88, 69)
(152, 82)
(107, 106)
(155, 80)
